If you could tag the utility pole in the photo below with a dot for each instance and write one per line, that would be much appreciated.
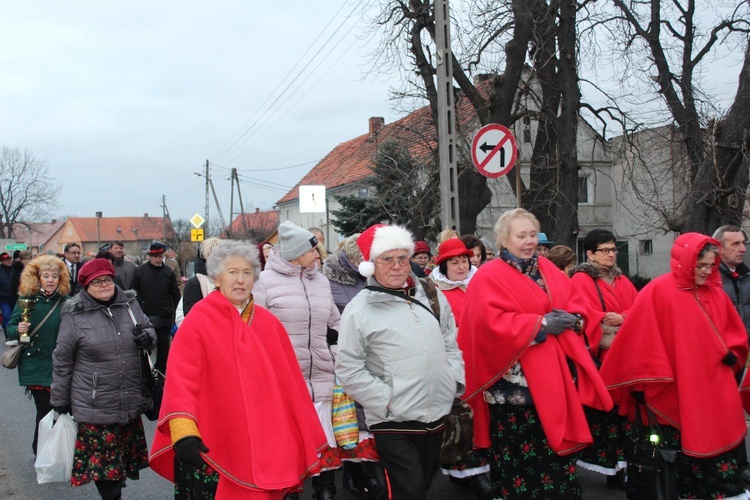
(208, 182)
(164, 215)
(449, 208)
(231, 196)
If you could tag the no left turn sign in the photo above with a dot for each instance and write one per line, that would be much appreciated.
(494, 150)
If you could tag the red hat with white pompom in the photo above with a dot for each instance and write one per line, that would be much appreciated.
(378, 239)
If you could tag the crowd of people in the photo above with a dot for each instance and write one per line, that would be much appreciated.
(560, 361)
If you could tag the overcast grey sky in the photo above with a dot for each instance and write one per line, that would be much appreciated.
(126, 100)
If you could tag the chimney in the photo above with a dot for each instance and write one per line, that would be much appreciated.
(145, 216)
(54, 220)
(257, 210)
(376, 123)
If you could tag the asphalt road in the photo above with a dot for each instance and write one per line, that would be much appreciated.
(18, 479)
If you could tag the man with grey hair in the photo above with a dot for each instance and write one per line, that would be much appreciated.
(735, 279)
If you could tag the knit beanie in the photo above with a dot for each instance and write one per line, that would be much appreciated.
(378, 239)
(294, 240)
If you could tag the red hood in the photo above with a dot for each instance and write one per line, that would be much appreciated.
(685, 255)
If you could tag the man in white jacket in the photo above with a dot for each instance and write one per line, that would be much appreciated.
(400, 361)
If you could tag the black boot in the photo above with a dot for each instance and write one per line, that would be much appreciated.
(352, 478)
(292, 496)
(325, 494)
(375, 489)
(482, 485)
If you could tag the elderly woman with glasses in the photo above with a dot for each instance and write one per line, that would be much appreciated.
(607, 294)
(236, 420)
(97, 378)
(678, 352)
(528, 376)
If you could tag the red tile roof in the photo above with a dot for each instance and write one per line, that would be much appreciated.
(40, 232)
(262, 222)
(121, 228)
(351, 161)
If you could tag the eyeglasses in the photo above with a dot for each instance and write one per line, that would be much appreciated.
(607, 251)
(389, 262)
(74, 253)
(98, 283)
(705, 267)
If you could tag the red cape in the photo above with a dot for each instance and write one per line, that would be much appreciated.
(243, 387)
(618, 298)
(502, 314)
(670, 349)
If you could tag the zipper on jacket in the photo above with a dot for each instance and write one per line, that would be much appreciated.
(309, 333)
(93, 393)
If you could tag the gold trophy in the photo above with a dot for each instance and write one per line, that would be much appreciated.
(26, 306)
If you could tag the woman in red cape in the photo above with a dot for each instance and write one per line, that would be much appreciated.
(600, 288)
(527, 373)
(679, 349)
(236, 419)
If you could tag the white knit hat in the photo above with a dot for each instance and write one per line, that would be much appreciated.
(378, 239)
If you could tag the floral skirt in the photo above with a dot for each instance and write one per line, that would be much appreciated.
(612, 434)
(522, 465)
(191, 483)
(333, 456)
(713, 477)
(476, 462)
(109, 452)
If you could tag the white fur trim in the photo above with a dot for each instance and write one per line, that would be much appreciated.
(390, 238)
(366, 268)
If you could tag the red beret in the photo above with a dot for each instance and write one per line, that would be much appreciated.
(93, 269)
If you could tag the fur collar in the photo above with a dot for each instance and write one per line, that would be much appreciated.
(339, 269)
(596, 272)
(83, 301)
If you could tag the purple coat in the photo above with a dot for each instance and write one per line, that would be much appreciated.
(301, 299)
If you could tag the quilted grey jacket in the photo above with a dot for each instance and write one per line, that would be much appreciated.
(96, 365)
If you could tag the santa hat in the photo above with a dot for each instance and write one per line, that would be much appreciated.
(378, 239)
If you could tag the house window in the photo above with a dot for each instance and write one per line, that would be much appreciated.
(526, 129)
(646, 247)
(585, 189)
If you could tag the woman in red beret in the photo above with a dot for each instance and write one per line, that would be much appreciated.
(97, 378)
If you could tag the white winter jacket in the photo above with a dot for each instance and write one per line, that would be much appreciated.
(396, 360)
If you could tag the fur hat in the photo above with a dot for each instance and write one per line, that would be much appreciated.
(378, 239)
(295, 241)
(29, 284)
(93, 269)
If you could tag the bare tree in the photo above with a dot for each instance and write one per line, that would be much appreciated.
(664, 46)
(27, 191)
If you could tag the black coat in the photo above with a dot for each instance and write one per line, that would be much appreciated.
(157, 291)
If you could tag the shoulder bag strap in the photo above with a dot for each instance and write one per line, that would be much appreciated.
(36, 329)
(599, 292)
(402, 295)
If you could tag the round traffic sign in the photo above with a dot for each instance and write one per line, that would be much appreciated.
(494, 150)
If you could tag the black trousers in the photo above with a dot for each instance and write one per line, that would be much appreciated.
(163, 341)
(41, 400)
(410, 462)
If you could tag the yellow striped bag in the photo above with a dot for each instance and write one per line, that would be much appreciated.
(345, 428)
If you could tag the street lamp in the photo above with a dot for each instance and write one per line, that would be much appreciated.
(98, 234)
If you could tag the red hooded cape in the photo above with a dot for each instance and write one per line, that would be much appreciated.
(243, 388)
(671, 347)
(502, 314)
(618, 298)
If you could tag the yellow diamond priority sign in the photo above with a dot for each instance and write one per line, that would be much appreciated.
(197, 221)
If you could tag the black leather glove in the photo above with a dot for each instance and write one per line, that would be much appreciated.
(62, 410)
(638, 396)
(541, 336)
(142, 340)
(188, 451)
(332, 336)
(558, 321)
(730, 359)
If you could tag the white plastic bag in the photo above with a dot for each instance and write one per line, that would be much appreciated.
(57, 442)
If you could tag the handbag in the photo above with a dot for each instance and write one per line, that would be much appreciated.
(344, 418)
(57, 443)
(152, 380)
(458, 435)
(652, 469)
(12, 354)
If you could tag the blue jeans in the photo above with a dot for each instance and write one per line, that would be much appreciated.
(7, 309)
